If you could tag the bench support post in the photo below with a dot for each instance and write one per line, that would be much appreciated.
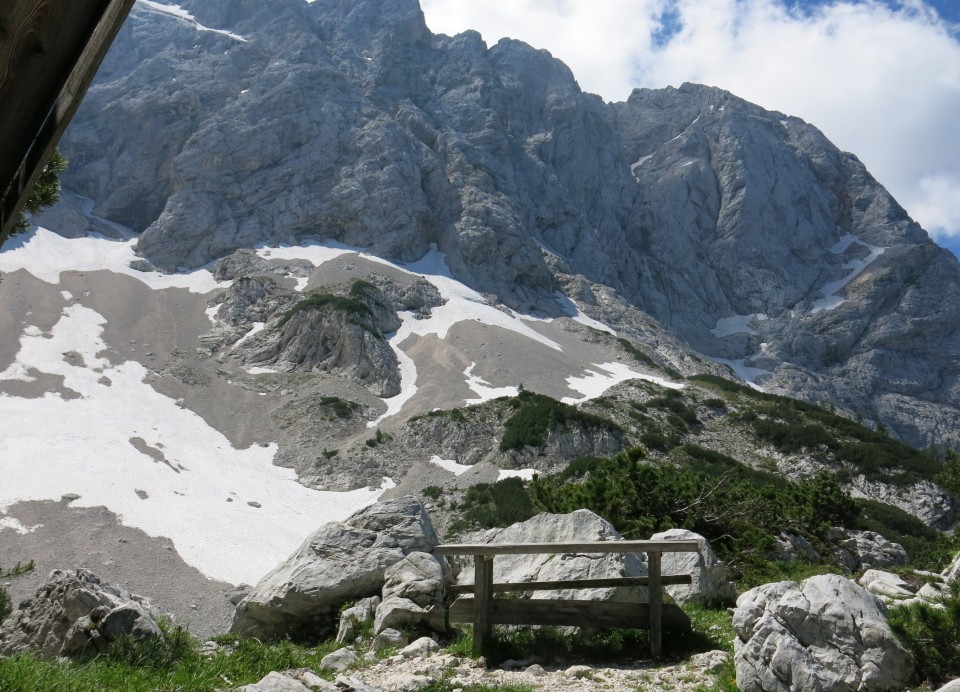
(483, 593)
(655, 599)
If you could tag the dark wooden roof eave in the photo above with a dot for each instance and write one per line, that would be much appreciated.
(50, 51)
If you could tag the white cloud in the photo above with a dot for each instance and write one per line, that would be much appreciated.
(882, 82)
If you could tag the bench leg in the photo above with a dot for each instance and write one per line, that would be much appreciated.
(482, 594)
(655, 598)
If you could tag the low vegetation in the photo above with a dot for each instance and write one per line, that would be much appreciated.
(325, 301)
(535, 415)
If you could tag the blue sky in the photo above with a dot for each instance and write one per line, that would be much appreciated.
(881, 78)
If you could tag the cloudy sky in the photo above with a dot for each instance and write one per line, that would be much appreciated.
(881, 78)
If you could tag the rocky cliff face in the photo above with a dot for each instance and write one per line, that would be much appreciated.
(744, 232)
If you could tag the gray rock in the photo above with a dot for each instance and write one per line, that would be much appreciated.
(390, 639)
(74, 613)
(413, 594)
(420, 648)
(825, 633)
(581, 525)
(338, 562)
(238, 593)
(690, 203)
(288, 681)
(709, 574)
(355, 618)
(789, 546)
(952, 572)
(952, 686)
(888, 586)
(351, 684)
(339, 660)
(865, 549)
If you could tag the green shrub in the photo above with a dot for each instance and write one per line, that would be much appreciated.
(537, 414)
(932, 635)
(321, 301)
(488, 505)
(340, 407)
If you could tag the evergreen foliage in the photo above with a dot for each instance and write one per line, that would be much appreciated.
(932, 635)
(322, 301)
(46, 191)
(535, 415)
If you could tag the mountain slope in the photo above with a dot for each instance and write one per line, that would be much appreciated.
(747, 234)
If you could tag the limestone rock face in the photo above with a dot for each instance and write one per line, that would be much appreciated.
(731, 225)
(578, 526)
(74, 614)
(338, 562)
(866, 549)
(825, 633)
(709, 574)
(336, 333)
(413, 594)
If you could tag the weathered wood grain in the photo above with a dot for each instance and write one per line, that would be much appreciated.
(612, 582)
(677, 546)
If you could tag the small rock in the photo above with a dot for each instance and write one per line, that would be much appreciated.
(404, 682)
(709, 661)
(536, 670)
(578, 672)
(389, 639)
(339, 660)
(421, 648)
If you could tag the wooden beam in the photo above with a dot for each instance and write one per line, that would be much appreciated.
(612, 582)
(677, 546)
(483, 593)
(655, 599)
(563, 613)
(50, 51)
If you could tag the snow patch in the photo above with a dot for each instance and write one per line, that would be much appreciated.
(183, 15)
(737, 324)
(574, 312)
(596, 382)
(256, 329)
(450, 465)
(483, 390)
(14, 525)
(198, 495)
(639, 164)
(744, 372)
(257, 370)
(46, 255)
(525, 474)
(831, 300)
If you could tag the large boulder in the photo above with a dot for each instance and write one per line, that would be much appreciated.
(74, 614)
(581, 525)
(413, 594)
(709, 574)
(826, 633)
(339, 562)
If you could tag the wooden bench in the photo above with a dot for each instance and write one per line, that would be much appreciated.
(484, 611)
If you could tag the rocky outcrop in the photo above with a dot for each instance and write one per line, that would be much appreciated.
(340, 332)
(413, 595)
(825, 633)
(790, 546)
(355, 618)
(340, 561)
(895, 591)
(732, 225)
(75, 614)
(709, 574)
(581, 525)
(865, 549)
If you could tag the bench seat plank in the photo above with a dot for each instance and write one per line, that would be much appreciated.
(601, 614)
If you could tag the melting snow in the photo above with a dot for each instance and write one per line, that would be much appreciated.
(257, 328)
(199, 498)
(483, 389)
(15, 525)
(737, 324)
(639, 164)
(745, 372)
(45, 255)
(183, 15)
(831, 300)
(574, 312)
(595, 383)
(525, 474)
(450, 465)
(462, 303)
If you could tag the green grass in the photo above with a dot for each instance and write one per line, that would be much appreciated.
(176, 665)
